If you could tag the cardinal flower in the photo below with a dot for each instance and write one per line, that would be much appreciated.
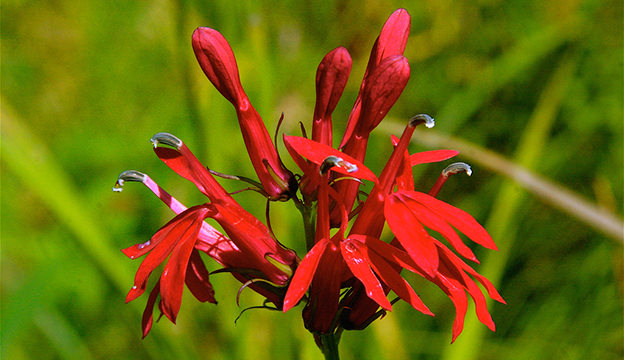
(350, 269)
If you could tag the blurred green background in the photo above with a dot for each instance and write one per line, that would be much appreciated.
(529, 91)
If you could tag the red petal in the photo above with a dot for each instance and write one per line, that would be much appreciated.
(167, 238)
(492, 292)
(434, 222)
(185, 164)
(361, 269)
(197, 279)
(426, 157)
(397, 283)
(393, 254)
(410, 233)
(304, 274)
(460, 219)
(317, 153)
(473, 290)
(457, 294)
(173, 277)
(148, 318)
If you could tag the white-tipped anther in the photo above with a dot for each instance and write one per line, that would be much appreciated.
(332, 161)
(128, 175)
(166, 139)
(456, 168)
(422, 119)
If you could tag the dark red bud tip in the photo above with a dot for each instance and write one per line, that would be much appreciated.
(128, 175)
(422, 119)
(456, 168)
(166, 139)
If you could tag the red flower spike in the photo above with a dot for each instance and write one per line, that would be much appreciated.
(331, 79)
(217, 60)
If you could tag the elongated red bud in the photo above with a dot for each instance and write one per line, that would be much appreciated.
(331, 79)
(217, 60)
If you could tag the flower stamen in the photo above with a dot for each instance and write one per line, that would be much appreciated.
(454, 168)
(167, 139)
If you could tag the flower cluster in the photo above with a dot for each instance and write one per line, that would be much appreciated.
(345, 279)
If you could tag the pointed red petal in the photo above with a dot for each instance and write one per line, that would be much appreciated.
(317, 153)
(397, 283)
(304, 274)
(361, 269)
(431, 220)
(166, 238)
(461, 265)
(148, 318)
(426, 157)
(458, 296)
(448, 267)
(173, 276)
(460, 219)
(411, 234)
(197, 279)
(394, 255)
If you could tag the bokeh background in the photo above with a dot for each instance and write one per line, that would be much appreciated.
(529, 91)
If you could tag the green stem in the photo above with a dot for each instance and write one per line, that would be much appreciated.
(308, 213)
(329, 346)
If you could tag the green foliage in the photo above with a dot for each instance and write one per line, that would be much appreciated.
(86, 84)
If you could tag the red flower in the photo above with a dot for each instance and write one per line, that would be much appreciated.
(250, 245)
(216, 59)
(346, 276)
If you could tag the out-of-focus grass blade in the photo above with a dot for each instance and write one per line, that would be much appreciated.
(501, 224)
(29, 160)
(511, 65)
(62, 335)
